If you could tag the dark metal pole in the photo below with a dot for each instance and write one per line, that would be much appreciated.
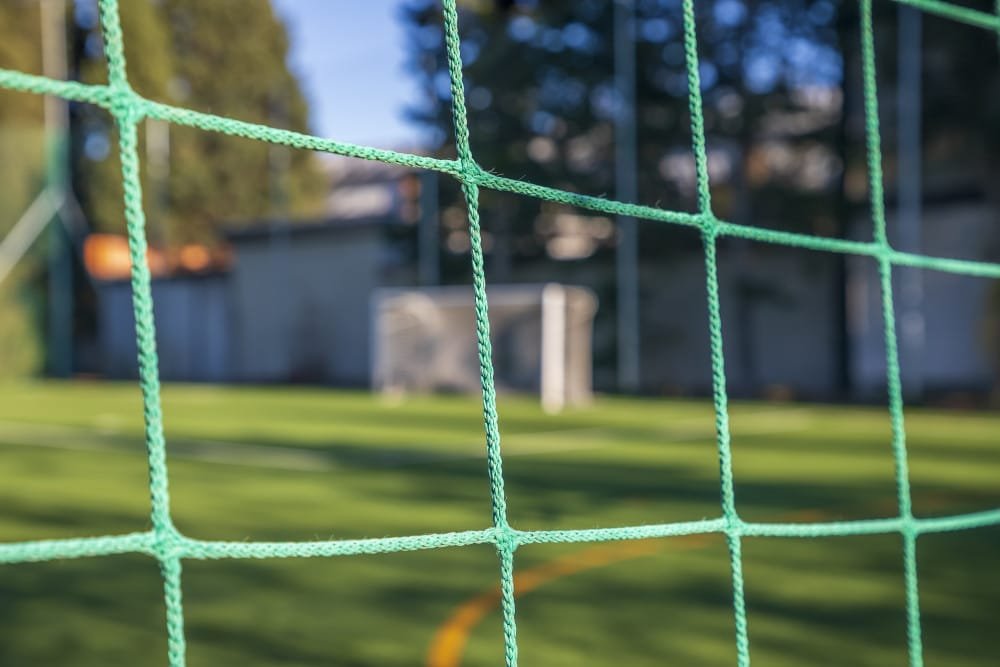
(60, 269)
(626, 190)
(908, 211)
(429, 267)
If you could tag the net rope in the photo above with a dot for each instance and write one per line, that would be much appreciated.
(165, 543)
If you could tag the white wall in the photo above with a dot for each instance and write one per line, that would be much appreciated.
(300, 307)
(192, 329)
(954, 352)
(788, 330)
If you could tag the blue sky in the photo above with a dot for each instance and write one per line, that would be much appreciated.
(349, 56)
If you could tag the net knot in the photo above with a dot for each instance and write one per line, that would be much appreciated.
(506, 539)
(470, 172)
(709, 226)
(734, 525)
(125, 104)
(168, 543)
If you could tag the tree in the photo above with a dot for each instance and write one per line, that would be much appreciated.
(21, 140)
(22, 173)
(786, 149)
(178, 51)
(542, 101)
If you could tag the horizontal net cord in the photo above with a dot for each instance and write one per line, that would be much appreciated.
(170, 547)
(80, 547)
(968, 267)
(101, 95)
(590, 202)
(110, 97)
(948, 10)
(188, 548)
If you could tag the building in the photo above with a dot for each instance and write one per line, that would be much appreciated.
(292, 303)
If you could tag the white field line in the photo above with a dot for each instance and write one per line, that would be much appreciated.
(82, 438)
(109, 438)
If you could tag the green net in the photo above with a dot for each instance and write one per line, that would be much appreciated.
(164, 542)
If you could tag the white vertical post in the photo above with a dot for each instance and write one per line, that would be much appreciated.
(553, 380)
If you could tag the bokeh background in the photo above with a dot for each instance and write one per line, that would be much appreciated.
(268, 264)
(785, 126)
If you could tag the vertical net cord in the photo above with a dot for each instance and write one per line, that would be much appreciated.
(505, 541)
(893, 384)
(996, 9)
(126, 109)
(720, 399)
(169, 547)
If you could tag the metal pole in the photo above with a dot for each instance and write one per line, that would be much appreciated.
(52, 14)
(626, 190)
(910, 280)
(429, 266)
(158, 174)
(27, 229)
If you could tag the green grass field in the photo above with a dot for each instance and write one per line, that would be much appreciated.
(303, 464)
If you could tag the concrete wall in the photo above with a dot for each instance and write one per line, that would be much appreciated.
(192, 329)
(297, 308)
(782, 333)
(300, 306)
(953, 353)
(778, 324)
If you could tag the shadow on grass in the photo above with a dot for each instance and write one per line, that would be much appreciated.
(809, 601)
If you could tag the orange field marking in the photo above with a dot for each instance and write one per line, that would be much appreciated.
(449, 641)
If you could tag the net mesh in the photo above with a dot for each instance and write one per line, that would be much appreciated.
(164, 542)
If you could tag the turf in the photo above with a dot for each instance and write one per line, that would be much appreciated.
(289, 464)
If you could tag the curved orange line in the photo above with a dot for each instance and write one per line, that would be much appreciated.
(448, 645)
(449, 641)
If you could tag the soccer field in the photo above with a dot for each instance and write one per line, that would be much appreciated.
(306, 464)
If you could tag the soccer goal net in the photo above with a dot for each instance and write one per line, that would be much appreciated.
(425, 340)
(165, 543)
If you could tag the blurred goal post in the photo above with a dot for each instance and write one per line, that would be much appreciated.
(425, 341)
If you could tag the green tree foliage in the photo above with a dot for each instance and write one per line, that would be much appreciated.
(19, 49)
(542, 99)
(226, 57)
(22, 151)
(783, 110)
(150, 64)
(21, 142)
(20, 344)
(543, 104)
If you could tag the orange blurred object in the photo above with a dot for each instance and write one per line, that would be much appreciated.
(106, 257)
(194, 257)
